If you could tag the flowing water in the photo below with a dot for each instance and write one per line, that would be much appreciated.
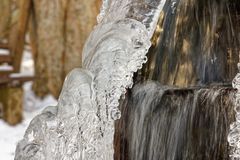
(165, 123)
(81, 126)
(196, 45)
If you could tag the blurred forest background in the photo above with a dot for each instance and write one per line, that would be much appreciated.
(54, 31)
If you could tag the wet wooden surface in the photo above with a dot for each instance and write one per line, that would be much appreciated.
(189, 49)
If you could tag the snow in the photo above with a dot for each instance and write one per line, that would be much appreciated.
(4, 52)
(27, 67)
(6, 68)
(10, 135)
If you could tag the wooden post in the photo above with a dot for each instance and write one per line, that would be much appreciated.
(11, 99)
(17, 46)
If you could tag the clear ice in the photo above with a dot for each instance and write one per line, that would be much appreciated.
(81, 126)
(234, 134)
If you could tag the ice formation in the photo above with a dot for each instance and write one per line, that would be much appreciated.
(113, 55)
(81, 126)
(234, 135)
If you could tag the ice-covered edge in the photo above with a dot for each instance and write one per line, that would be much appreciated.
(234, 134)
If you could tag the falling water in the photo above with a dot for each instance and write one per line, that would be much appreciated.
(196, 44)
(81, 126)
(165, 123)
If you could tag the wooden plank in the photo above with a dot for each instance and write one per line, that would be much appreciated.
(4, 46)
(22, 78)
(5, 72)
(14, 81)
(5, 59)
(19, 41)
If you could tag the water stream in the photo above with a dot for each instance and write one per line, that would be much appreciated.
(166, 123)
(196, 50)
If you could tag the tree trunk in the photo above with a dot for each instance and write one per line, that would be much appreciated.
(60, 30)
(81, 18)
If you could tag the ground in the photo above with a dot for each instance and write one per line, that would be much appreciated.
(10, 135)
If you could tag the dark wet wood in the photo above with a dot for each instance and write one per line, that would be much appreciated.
(189, 49)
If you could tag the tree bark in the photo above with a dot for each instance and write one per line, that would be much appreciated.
(60, 30)
(80, 20)
(49, 18)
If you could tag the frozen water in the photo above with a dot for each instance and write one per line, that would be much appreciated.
(81, 126)
(113, 55)
(145, 11)
(234, 135)
(69, 130)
